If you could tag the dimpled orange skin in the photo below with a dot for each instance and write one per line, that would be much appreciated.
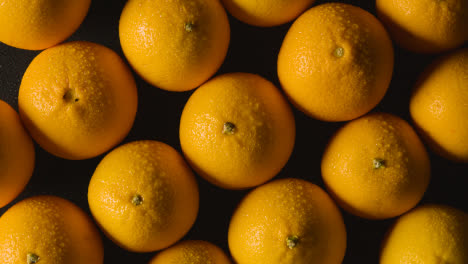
(429, 234)
(191, 252)
(376, 167)
(40, 24)
(17, 155)
(78, 100)
(438, 106)
(52, 229)
(144, 196)
(258, 146)
(175, 45)
(425, 26)
(287, 221)
(266, 13)
(336, 62)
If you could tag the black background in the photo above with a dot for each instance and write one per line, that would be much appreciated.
(251, 50)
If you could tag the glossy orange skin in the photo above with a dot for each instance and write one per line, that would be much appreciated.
(429, 234)
(438, 105)
(78, 100)
(266, 13)
(17, 156)
(376, 167)
(336, 62)
(425, 26)
(40, 24)
(271, 214)
(261, 142)
(53, 229)
(174, 45)
(191, 252)
(167, 192)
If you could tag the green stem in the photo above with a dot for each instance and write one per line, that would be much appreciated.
(338, 52)
(229, 128)
(137, 199)
(378, 163)
(189, 26)
(32, 258)
(292, 241)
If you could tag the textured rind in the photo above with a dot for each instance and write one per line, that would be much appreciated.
(429, 234)
(267, 13)
(268, 215)
(349, 174)
(192, 252)
(40, 24)
(162, 51)
(78, 99)
(264, 137)
(438, 106)
(157, 173)
(17, 155)
(425, 26)
(331, 88)
(52, 228)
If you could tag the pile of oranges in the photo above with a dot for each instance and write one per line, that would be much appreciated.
(79, 100)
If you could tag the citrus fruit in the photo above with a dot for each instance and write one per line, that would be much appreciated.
(16, 155)
(428, 234)
(175, 45)
(376, 167)
(438, 105)
(48, 229)
(287, 221)
(40, 24)
(143, 196)
(425, 26)
(78, 100)
(191, 252)
(237, 131)
(266, 13)
(336, 62)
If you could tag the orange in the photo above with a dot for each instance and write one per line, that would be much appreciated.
(376, 167)
(425, 26)
(237, 131)
(336, 62)
(175, 45)
(191, 252)
(266, 13)
(438, 105)
(143, 196)
(78, 100)
(48, 229)
(40, 24)
(288, 221)
(429, 234)
(16, 155)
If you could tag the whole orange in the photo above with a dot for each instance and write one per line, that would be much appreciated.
(376, 167)
(266, 13)
(439, 106)
(175, 45)
(429, 234)
(425, 26)
(16, 155)
(78, 100)
(144, 196)
(48, 229)
(336, 62)
(237, 131)
(287, 221)
(192, 252)
(40, 24)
